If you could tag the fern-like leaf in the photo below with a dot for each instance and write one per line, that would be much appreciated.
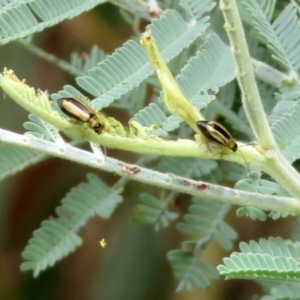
(205, 220)
(251, 212)
(128, 66)
(284, 291)
(284, 106)
(283, 36)
(272, 259)
(197, 8)
(209, 69)
(57, 237)
(152, 115)
(25, 18)
(192, 271)
(254, 183)
(14, 159)
(287, 132)
(132, 101)
(231, 117)
(154, 211)
(83, 62)
(41, 129)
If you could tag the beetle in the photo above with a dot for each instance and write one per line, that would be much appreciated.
(79, 111)
(217, 133)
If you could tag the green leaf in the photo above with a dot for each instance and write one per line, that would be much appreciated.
(254, 183)
(18, 20)
(197, 8)
(190, 270)
(287, 132)
(154, 211)
(282, 37)
(209, 69)
(83, 61)
(205, 220)
(133, 101)
(231, 117)
(15, 159)
(153, 115)
(128, 66)
(58, 237)
(40, 129)
(251, 212)
(272, 259)
(284, 291)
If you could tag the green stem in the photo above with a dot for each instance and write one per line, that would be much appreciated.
(284, 173)
(276, 165)
(147, 176)
(245, 76)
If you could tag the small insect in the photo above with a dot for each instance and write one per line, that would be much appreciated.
(217, 133)
(79, 111)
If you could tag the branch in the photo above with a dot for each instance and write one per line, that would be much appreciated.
(245, 76)
(147, 176)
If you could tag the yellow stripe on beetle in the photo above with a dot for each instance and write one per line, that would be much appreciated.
(217, 133)
(79, 111)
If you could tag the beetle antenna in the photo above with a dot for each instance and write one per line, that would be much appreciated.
(104, 149)
(244, 159)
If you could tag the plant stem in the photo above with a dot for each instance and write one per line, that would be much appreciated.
(245, 76)
(147, 176)
(276, 165)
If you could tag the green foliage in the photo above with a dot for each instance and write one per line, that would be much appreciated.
(251, 212)
(203, 62)
(282, 36)
(83, 62)
(196, 8)
(191, 271)
(288, 291)
(287, 132)
(14, 159)
(272, 259)
(57, 237)
(41, 129)
(255, 183)
(154, 211)
(153, 115)
(216, 64)
(129, 64)
(205, 220)
(20, 19)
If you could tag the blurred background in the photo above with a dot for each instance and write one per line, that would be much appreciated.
(133, 266)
